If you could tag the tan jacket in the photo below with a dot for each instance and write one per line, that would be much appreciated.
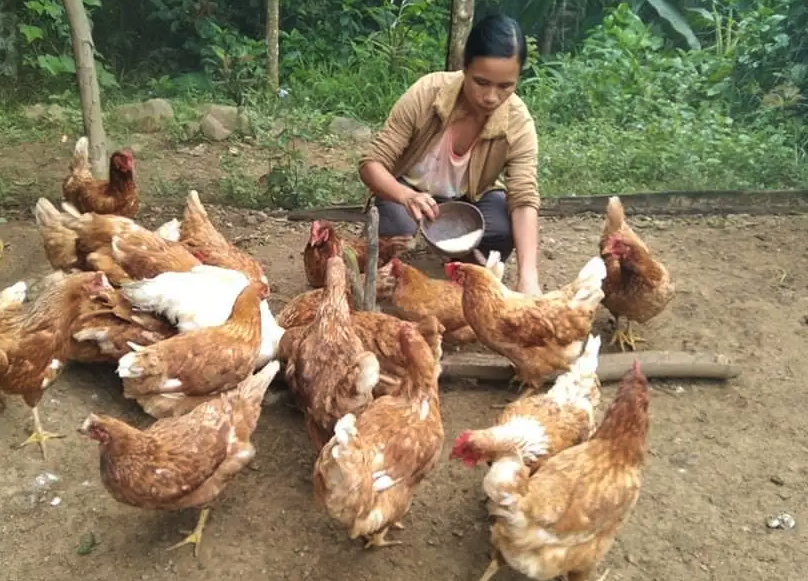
(507, 143)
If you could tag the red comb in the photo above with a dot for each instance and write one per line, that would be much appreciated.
(395, 266)
(459, 445)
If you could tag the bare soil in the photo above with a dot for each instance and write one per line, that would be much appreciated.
(723, 456)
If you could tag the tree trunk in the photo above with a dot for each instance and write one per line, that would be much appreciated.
(273, 17)
(89, 91)
(462, 18)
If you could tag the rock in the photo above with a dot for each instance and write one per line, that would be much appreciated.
(36, 111)
(213, 129)
(346, 127)
(148, 117)
(229, 117)
(40, 111)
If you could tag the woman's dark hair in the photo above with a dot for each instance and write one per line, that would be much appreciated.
(498, 36)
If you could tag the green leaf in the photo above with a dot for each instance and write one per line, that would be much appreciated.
(92, 2)
(669, 13)
(31, 33)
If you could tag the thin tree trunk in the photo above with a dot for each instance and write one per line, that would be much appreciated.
(462, 18)
(89, 91)
(273, 18)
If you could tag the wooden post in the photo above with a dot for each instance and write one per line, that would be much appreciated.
(459, 28)
(273, 18)
(89, 91)
(372, 260)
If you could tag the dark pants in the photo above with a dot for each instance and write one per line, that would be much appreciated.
(395, 221)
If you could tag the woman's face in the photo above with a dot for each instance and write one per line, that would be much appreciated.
(490, 81)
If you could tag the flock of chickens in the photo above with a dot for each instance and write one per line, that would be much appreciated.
(184, 315)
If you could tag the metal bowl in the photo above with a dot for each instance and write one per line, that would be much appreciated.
(456, 220)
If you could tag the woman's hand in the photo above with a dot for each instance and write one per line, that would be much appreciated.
(529, 285)
(420, 204)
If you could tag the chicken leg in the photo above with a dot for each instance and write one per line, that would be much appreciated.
(492, 569)
(378, 539)
(194, 537)
(39, 436)
(625, 338)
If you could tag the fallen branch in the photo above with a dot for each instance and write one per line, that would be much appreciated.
(369, 301)
(611, 366)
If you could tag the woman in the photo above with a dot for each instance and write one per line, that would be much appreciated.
(451, 136)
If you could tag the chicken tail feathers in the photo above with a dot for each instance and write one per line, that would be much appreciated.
(369, 371)
(15, 293)
(495, 265)
(615, 214)
(45, 212)
(71, 210)
(345, 432)
(128, 365)
(169, 231)
(81, 154)
(580, 385)
(589, 282)
(194, 204)
(250, 393)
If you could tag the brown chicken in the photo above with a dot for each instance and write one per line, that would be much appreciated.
(328, 370)
(324, 237)
(302, 308)
(539, 427)
(209, 246)
(34, 341)
(69, 236)
(416, 293)
(539, 335)
(379, 334)
(637, 286)
(144, 254)
(105, 326)
(563, 519)
(181, 462)
(367, 473)
(116, 195)
(202, 362)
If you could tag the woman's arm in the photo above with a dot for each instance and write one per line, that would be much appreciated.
(523, 200)
(376, 166)
(525, 224)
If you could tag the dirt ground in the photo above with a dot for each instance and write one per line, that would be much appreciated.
(723, 456)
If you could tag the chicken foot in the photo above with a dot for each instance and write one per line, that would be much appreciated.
(625, 338)
(194, 537)
(494, 566)
(378, 539)
(525, 388)
(39, 435)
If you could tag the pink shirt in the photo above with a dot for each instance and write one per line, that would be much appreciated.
(441, 173)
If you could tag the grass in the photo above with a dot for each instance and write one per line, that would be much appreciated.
(581, 158)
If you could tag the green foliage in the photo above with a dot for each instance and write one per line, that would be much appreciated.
(645, 95)
(46, 36)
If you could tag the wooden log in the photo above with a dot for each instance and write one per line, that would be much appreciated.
(664, 203)
(369, 299)
(611, 366)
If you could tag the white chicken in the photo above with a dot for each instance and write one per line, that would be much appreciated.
(201, 298)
